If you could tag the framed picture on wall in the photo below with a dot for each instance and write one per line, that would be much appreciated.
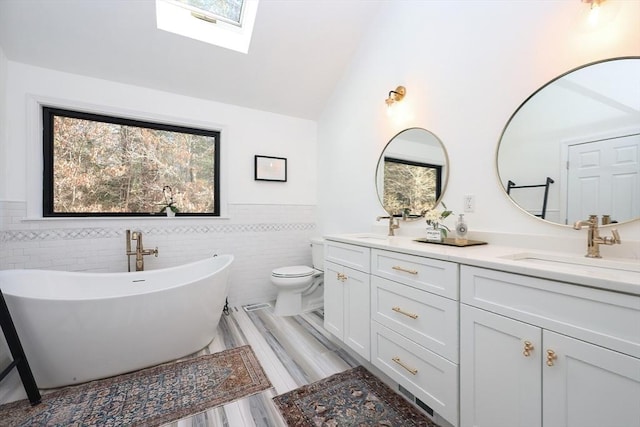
(270, 168)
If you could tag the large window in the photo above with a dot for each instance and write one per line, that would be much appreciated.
(97, 165)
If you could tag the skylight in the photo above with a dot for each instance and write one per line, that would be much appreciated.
(225, 10)
(225, 23)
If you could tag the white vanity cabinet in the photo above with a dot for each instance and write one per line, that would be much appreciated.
(499, 385)
(414, 326)
(534, 352)
(346, 295)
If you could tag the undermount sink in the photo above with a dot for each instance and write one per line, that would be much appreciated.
(584, 263)
(371, 236)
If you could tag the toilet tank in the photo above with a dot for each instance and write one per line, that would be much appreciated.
(317, 253)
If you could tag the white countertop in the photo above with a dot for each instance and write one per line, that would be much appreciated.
(625, 280)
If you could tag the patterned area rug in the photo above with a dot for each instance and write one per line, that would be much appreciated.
(351, 398)
(148, 397)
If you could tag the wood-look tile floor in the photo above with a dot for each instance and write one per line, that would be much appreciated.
(293, 351)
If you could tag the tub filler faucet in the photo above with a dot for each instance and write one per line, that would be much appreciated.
(140, 252)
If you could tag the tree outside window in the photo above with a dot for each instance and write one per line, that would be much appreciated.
(98, 165)
(411, 187)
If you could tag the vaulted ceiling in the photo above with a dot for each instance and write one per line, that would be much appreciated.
(298, 53)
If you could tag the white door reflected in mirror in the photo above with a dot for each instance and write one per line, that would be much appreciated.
(581, 131)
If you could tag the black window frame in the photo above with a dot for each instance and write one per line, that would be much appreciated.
(48, 114)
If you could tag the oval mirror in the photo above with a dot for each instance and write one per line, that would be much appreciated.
(572, 149)
(412, 173)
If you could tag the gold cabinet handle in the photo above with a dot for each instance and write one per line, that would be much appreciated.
(342, 277)
(398, 268)
(528, 348)
(551, 356)
(399, 362)
(401, 311)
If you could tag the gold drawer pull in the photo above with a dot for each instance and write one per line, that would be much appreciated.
(398, 268)
(401, 311)
(528, 348)
(399, 362)
(551, 356)
(342, 277)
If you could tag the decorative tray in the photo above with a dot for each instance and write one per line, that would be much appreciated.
(450, 241)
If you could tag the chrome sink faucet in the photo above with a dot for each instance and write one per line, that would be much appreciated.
(593, 236)
(393, 224)
(140, 252)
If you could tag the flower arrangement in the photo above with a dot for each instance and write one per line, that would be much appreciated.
(168, 200)
(435, 217)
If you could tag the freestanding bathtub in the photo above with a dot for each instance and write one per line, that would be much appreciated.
(77, 327)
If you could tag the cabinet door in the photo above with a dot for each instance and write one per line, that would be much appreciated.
(357, 318)
(499, 378)
(334, 299)
(586, 385)
(347, 307)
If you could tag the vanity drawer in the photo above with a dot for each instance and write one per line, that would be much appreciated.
(431, 378)
(604, 318)
(356, 257)
(429, 320)
(439, 277)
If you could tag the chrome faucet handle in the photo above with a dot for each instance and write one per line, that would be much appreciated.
(155, 252)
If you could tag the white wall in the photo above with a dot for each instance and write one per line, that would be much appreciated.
(246, 132)
(3, 127)
(467, 65)
(265, 224)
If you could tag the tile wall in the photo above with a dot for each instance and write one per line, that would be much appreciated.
(261, 237)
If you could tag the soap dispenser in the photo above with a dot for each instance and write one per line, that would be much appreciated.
(461, 231)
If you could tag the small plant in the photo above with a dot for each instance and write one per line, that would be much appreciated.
(168, 200)
(435, 217)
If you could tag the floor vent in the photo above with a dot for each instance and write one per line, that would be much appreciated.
(424, 406)
(254, 307)
(406, 392)
(414, 399)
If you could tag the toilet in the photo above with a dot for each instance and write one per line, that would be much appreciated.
(300, 287)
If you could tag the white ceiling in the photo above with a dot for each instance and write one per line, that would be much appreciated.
(299, 49)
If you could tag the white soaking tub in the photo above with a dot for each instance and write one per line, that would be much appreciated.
(77, 327)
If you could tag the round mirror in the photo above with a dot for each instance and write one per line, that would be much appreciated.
(412, 173)
(572, 149)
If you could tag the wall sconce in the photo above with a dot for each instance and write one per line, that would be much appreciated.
(595, 10)
(395, 96)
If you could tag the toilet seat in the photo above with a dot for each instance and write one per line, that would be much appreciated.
(293, 271)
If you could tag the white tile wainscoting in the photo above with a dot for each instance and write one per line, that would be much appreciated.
(261, 237)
